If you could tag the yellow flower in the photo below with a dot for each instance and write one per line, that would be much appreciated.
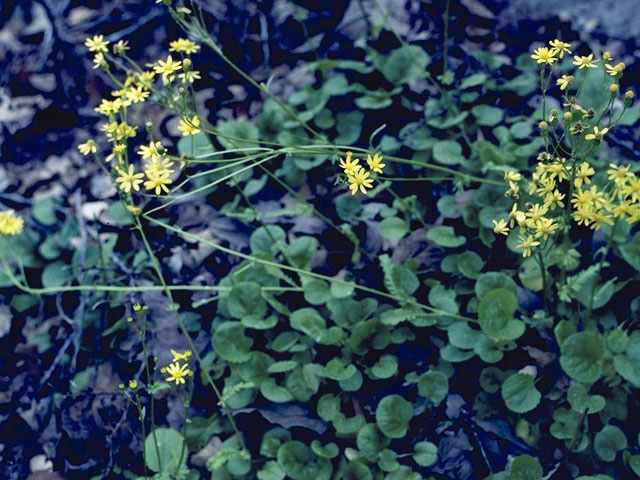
(512, 177)
(516, 216)
(606, 55)
(117, 151)
(190, 76)
(554, 199)
(98, 60)
(136, 95)
(183, 45)
(129, 180)
(134, 210)
(180, 356)
(10, 223)
(177, 373)
(152, 151)
(619, 175)
(108, 107)
(375, 163)
(158, 182)
(120, 47)
(97, 44)
(564, 81)
(500, 227)
(359, 179)
(583, 174)
(632, 189)
(597, 135)
(536, 212)
(88, 147)
(155, 166)
(526, 244)
(544, 55)
(166, 69)
(189, 127)
(545, 227)
(560, 47)
(133, 384)
(349, 166)
(614, 70)
(584, 62)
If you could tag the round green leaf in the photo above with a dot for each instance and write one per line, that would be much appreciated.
(626, 364)
(357, 470)
(448, 152)
(265, 240)
(245, 300)
(369, 442)
(330, 450)
(328, 407)
(230, 342)
(565, 423)
(309, 321)
(608, 442)
(579, 399)
(495, 315)
(525, 467)
(56, 274)
(461, 335)
(469, 264)
(274, 392)
(634, 463)
(316, 292)
(425, 454)
(393, 228)
(617, 340)
(271, 471)
(300, 463)
(433, 386)
(169, 445)
(487, 115)
(580, 354)
(492, 280)
(393, 416)
(519, 393)
(386, 367)
(445, 236)
(336, 370)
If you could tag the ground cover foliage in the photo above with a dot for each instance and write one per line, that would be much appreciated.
(242, 298)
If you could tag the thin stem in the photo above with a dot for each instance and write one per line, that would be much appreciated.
(587, 313)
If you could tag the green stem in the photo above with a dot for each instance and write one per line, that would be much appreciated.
(587, 313)
(143, 334)
(445, 47)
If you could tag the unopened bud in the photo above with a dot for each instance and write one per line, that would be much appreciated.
(614, 88)
(567, 116)
(553, 115)
(628, 95)
(543, 126)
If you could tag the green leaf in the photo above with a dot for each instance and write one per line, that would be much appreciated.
(264, 240)
(169, 445)
(309, 321)
(448, 152)
(447, 122)
(580, 356)
(56, 274)
(230, 342)
(357, 470)
(461, 335)
(617, 340)
(274, 392)
(282, 366)
(369, 442)
(300, 463)
(348, 207)
(579, 399)
(402, 64)
(393, 228)
(349, 127)
(316, 292)
(487, 115)
(328, 407)
(393, 416)
(608, 442)
(473, 81)
(271, 471)
(44, 211)
(241, 131)
(245, 300)
(495, 315)
(81, 380)
(469, 264)
(301, 250)
(330, 450)
(565, 424)
(525, 467)
(433, 386)
(425, 454)
(519, 393)
(445, 236)
(634, 463)
(492, 280)
(336, 370)
(386, 367)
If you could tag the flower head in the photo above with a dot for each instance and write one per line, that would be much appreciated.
(97, 44)
(614, 70)
(584, 62)
(167, 68)
(597, 135)
(177, 373)
(559, 47)
(349, 166)
(375, 163)
(526, 244)
(361, 180)
(157, 182)
(500, 227)
(183, 45)
(189, 126)
(88, 147)
(10, 223)
(129, 180)
(564, 81)
(180, 356)
(544, 55)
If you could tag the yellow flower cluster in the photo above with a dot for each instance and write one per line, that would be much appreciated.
(10, 223)
(177, 371)
(590, 206)
(357, 177)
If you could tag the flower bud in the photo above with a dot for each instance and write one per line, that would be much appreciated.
(553, 115)
(628, 95)
(614, 88)
(543, 126)
(567, 116)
